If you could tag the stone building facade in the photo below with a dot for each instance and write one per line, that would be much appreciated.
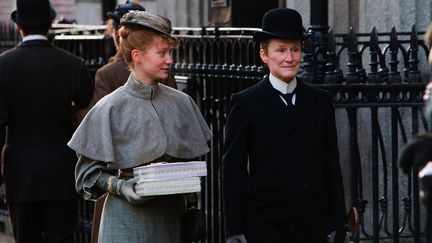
(191, 13)
(361, 15)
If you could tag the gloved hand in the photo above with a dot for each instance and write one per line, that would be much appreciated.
(127, 190)
(236, 239)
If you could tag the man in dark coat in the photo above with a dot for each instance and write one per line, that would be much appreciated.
(282, 180)
(39, 86)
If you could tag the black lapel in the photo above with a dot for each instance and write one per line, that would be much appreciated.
(272, 104)
(304, 101)
(265, 90)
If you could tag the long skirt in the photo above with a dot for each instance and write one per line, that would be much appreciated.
(154, 221)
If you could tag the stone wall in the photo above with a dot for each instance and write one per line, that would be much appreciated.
(6, 7)
(182, 13)
(65, 8)
(363, 15)
(89, 12)
(399, 13)
(190, 13)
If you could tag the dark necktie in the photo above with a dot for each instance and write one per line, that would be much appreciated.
(288, 98)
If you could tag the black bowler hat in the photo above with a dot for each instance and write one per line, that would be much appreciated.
(283, 23)
(33, 12)
(123, 9)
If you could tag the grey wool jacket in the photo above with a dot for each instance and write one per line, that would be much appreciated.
(137, 123)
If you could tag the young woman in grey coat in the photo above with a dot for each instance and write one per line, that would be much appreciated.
(139, 123)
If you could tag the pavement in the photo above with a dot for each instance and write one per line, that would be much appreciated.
(6, 238)
(5, 228)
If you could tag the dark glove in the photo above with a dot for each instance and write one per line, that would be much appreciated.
(236, 239)
(127, 190)
(417, 152)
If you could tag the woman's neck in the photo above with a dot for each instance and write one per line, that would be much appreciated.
(143, 79)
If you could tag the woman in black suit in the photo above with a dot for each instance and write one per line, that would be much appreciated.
(281, 172)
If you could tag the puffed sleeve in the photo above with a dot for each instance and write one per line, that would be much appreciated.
(88, 174)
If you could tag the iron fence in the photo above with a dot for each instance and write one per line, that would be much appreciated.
(378, 108)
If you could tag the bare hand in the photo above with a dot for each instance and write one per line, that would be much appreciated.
(427, 92)
(236, 239)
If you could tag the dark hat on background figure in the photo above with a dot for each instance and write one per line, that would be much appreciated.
(122, 9)
(283, 23)
(148, 20)
(33, 12)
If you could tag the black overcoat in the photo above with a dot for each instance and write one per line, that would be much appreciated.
(38, 84)
(281, 166)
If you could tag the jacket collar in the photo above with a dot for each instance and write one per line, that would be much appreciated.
(35, 43)
(266, 92)
(34, 37)
(282, 86)
(140, 90)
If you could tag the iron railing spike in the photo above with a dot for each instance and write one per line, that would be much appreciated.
(393, 39)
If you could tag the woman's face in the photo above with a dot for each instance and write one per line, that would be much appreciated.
(283, 57)
(154, 62)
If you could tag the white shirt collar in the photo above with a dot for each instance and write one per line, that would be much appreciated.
(34, 37)
(282, 86)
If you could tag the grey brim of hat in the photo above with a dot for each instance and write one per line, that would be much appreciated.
(15, 18)
(149, 27)
(264, 35)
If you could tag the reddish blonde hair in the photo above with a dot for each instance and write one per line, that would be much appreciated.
(136, 37)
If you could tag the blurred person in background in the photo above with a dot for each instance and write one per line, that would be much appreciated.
(39, 86)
